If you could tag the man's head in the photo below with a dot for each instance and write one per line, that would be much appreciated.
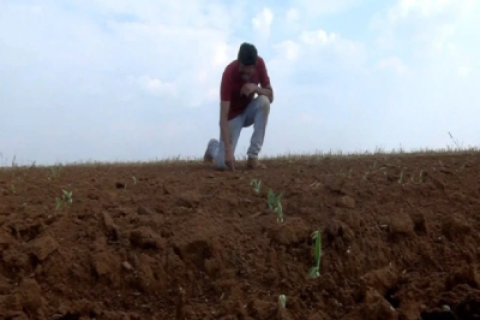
(247, 60)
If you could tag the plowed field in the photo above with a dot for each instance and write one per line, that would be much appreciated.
(399, 240)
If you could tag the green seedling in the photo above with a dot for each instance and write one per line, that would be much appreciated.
(279, 211)
(420, 176)
(275, 204)
(257, 185)
(365, 176)
(272, 199)
(400, 179)
(282, 300)
(314, 271)
(65, 199)
(134, 180)
(54, 173)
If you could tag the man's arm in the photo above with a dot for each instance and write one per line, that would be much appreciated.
(265, 91)
(266, 87)
(224, 109)
(225, 92)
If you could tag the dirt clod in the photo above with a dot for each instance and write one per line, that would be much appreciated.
(145, 238)
(346, 202)
(44, 247)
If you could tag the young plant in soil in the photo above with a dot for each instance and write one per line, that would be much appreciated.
(257, 185)
(282, 300)
(54, 173)
(65, 199)
(314, 271)
(275, 204)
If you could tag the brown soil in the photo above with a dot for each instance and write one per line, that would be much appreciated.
(187, 242)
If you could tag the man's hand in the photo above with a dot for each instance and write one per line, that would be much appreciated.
(230, 159)
(248, 89)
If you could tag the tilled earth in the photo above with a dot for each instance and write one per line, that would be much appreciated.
(182, 241)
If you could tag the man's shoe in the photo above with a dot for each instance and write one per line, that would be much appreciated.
(253, 163)
(207, 157)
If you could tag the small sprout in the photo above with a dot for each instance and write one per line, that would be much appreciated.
(54, 173)
(66, 198)
(270, 199)
(365, 176)
(58, 203)
(275, 204)
(400, 179)
(314, 271)
(12, 188)
(420, 176)
(279, 212)
(282, 300)
(257, 185)
(134, 180)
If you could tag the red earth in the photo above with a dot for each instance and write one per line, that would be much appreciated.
(182, 241)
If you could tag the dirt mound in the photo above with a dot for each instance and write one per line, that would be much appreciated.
(399, 241)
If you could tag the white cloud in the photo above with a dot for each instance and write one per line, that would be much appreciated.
(463, 71)
(288, 50)
(330, 46)
(292, 15)
(221, 55)
(154, 86)
(422, 8)
(318, 8)
(393, 63)
(263, 21)
(318, 37)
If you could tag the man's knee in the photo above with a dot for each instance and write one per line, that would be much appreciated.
(264, 102)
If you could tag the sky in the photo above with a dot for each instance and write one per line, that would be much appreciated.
(121, 80)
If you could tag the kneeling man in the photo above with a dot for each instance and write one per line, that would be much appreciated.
(239, 108)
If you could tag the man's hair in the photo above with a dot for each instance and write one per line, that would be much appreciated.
(247, 54)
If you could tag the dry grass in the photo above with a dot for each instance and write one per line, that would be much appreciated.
(455, 149)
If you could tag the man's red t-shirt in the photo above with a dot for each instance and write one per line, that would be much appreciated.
(232, 83)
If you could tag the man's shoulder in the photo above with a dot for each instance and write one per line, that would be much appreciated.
(260, 64)
(231, 66)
